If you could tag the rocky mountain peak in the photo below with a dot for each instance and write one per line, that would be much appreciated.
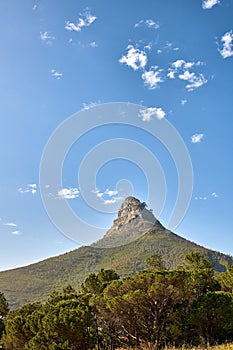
(132, 221)
(130, 210)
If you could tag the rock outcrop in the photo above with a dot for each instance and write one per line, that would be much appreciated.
(133, 220)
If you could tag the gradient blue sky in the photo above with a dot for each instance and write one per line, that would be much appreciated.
(58, 57)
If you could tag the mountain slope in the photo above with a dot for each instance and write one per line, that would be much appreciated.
(37, 281)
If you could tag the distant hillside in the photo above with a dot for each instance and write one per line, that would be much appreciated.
(37, 281)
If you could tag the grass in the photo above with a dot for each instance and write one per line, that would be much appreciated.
(227, 346)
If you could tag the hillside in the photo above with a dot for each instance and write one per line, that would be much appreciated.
(37, 281)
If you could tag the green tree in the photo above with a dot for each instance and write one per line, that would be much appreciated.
(17, 327)
(3, 312)
(201, 274)
(155, 262)
(226, 279)
(211, 317)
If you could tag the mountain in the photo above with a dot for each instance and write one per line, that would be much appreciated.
(135, 235)
(133, 220)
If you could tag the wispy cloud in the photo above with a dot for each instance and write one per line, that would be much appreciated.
(227, 40)
(196, 138)
(85, 20)
(34, 7)
(206, 197)
(98, 193)
(149, 113)
(30, 188)
(149, 23)
(68, 193)
(152, 77)
(110, 193)
(112, 200)
(56, 74)
(89, 105)
(46, 38)
(93, 44)
(16, 232)
(108, 196)
(208, 4)
(183, 102)
(181, 68)
(11, 224)
(167, 48)
(200, 198)
(134, 58)
(214, 194)
(195, 81)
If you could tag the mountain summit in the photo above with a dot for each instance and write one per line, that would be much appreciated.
(133, 220)
(134, 236)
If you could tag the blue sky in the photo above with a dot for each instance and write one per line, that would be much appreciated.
(57, 58)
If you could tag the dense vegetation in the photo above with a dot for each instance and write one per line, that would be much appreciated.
(36, 282)
(151, 309)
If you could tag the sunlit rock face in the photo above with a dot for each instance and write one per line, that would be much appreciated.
(133, 220)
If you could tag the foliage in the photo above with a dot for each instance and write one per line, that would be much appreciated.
(148, 310)
(36, 282)
(3, 312)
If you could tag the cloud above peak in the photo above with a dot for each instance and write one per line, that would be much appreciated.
(46, 38)
(152, 77)
(85, 20)
(196, 138)
(149, 23)
(68, 193)
(208, 4)
(227, 49)
(30, 188)
(183, 70)
(148, 114)
(134, 58)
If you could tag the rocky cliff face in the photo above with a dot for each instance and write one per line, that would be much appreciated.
(133, 220)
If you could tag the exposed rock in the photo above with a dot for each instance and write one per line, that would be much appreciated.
(133, 220)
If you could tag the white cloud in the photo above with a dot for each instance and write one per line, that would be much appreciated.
(227, 40)
(11, 224)
(110, 193)
(89, 105)
(98, 193)
(149, 23)
(113, 200)
(56, 74)
(178, 64)
(214, 194)
(196, 138)
(46, 37)
(134, 58)
(187, 76)
(208, 4)
(194, 80)
(93, 44)
(16, 232)
(148, 46)
(204, 198)
(152, 77)
(107, 196)
(34, 7)
(148, 113)
(32, 185)
(183, 102)
(171, 74)
(68, 193)
(85, 20)
(30, 188)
